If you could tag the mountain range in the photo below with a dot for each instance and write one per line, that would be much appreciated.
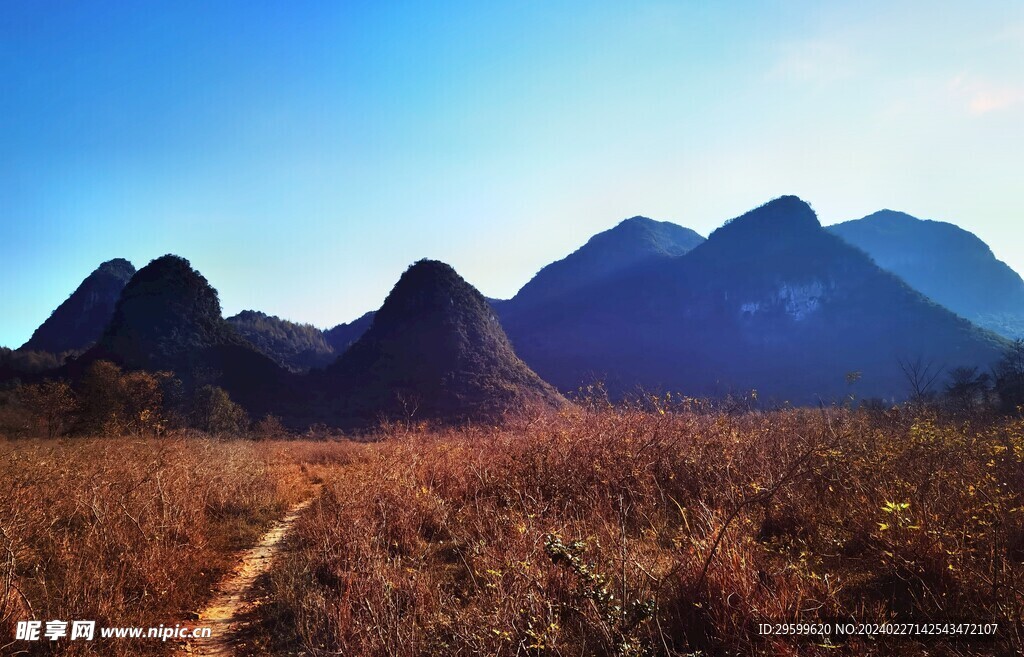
(771, 302)
(435, 350)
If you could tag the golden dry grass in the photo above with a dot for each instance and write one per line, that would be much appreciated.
(621, 531)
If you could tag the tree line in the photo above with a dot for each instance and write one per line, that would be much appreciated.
(969, 389)
(108, 401)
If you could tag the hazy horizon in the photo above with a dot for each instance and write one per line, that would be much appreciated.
(302, 157)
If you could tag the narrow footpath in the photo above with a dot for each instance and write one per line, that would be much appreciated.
(232, 597)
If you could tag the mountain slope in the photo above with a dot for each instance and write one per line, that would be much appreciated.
(944, 262)
(79, 321)
(631, 243)
(343, 335)
(770, 301)
(435, 350)
(297, 347)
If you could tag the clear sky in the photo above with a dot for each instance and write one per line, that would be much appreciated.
(302, 154)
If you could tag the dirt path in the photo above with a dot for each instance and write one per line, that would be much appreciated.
(231, 599)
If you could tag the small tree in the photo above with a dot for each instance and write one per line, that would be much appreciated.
(921, 376)
(52, 404)
(269, 427)
(968, 389)
(143, 401)
(1009, 378)
(102, 401)
(214, 412)
(115, 402)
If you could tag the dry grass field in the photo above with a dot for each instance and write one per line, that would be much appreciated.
(671, 529)
(126, 531)
(667, 531)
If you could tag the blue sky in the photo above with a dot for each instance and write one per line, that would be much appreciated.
(301, 155)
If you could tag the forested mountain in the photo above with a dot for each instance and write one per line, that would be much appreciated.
(771, 301)
(945, 263)
(342, 336)
(169, 318)
(77, 323)
(435, 350)
(297, 347)
(167, 312)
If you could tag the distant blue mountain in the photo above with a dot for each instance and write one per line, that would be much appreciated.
(945, 263)
(633, 242)
(771, 301)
